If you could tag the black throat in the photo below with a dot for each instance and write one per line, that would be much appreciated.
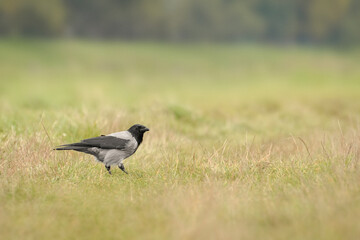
(137, 135)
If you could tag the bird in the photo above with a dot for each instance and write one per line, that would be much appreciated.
(111, 149)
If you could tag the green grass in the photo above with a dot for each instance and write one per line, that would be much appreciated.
(246, 141)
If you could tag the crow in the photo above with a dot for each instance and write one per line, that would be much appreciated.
(111, 149)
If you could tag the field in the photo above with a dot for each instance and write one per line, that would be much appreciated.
(245, 142)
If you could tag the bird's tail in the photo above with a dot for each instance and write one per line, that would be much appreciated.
(76, 148)
(79, 147)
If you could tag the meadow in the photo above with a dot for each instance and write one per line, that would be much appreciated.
(246, 141)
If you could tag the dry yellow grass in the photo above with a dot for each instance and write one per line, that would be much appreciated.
(225, 159)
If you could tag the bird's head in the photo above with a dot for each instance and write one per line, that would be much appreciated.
(138, 129)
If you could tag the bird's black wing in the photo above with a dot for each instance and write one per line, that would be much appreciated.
(104, 142)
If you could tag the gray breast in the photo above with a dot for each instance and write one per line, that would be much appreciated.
(115, 156)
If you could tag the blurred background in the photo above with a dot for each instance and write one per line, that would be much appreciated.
(199, 67)
(280, 21)
(253, 107)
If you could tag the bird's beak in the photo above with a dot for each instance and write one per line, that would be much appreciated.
(146, 129)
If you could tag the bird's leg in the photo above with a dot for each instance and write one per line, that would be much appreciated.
(108, 169)
(121, 166)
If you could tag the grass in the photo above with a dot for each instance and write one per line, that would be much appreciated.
(246, 141)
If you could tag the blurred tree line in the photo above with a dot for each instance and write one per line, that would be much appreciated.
(320, 21)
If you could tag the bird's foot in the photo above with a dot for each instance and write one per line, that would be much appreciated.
(108, 169)
(121, 166)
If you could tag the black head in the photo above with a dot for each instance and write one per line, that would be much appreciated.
(137, 131)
